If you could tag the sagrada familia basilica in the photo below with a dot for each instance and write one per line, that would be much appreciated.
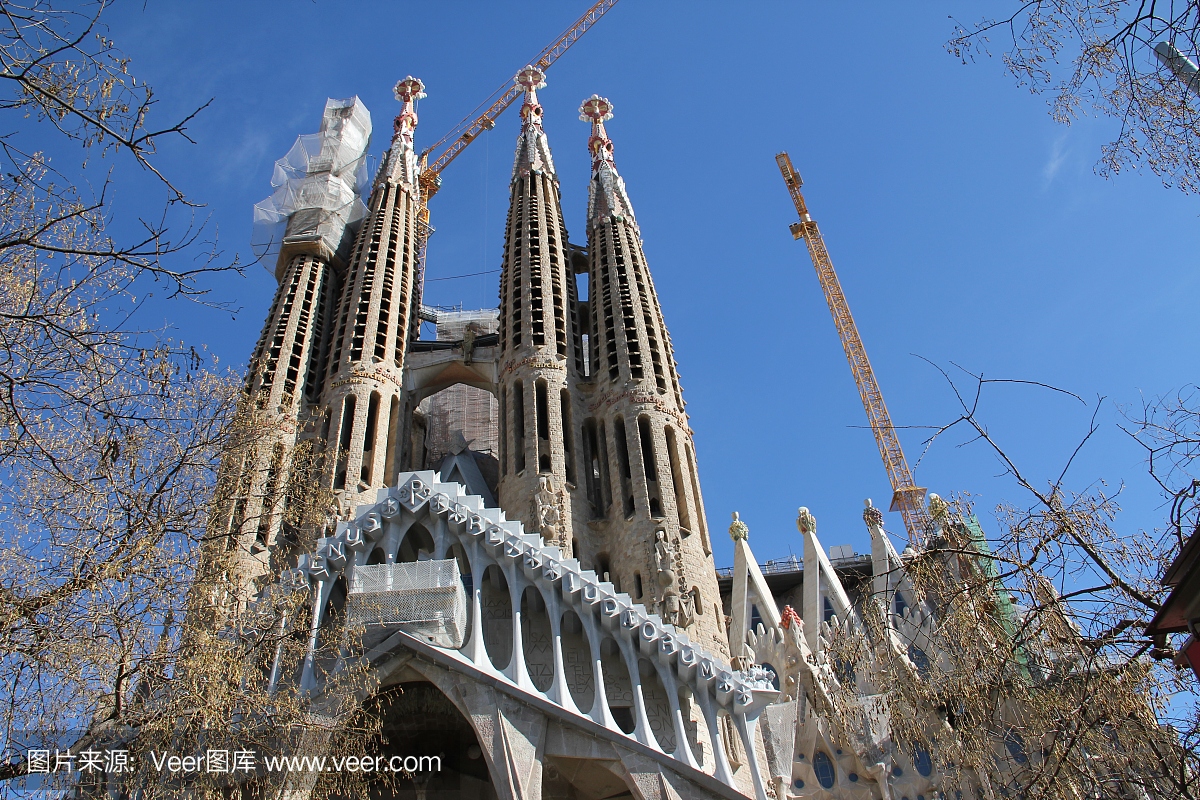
(519, 527)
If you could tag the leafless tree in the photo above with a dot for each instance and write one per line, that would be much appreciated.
(1099, 56)
(110, 439)
(1020, 661)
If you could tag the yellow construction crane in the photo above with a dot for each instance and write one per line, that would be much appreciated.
(907, 497)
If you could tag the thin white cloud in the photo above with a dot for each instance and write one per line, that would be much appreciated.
(1058, 156)
(243, 159)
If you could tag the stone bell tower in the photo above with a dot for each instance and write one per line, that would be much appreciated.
(540, 346)
(640, 474)
(364, 395)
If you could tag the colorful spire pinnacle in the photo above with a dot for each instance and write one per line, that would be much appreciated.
(598, 110)
(530, 79)
(408, 92)
(402, 159)
(607, 198)
(533, 151)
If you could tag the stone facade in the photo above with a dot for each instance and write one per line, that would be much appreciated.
(595, 450)
(596, 463)
(286, 380)
(593, 654)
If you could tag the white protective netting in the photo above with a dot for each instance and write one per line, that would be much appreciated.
(422, 598)
(452, 324)
(318, 185)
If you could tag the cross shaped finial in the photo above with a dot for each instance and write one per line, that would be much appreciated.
(596, 109)
(530, 78)
(409, 89)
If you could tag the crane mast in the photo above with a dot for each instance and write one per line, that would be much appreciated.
(907, 497)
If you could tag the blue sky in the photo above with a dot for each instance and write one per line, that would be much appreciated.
(967, 227)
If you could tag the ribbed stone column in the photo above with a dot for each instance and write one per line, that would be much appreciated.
(539, 343)
(643, 479)
(365, 391)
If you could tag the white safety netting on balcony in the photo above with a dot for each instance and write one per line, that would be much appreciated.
(318, 186)
(422, 598)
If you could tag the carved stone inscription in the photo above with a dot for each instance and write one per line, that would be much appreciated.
(496, 615)
(577, 663)
(658, 706)
(535, 640)
(617, 686)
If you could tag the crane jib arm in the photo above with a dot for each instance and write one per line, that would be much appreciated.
(906, 495)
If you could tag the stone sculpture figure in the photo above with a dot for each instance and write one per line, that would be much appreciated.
(547, 510)
(664, 558)
(664, 563)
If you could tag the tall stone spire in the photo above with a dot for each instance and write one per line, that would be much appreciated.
(365, 394)
(641, 463)
(540, 348)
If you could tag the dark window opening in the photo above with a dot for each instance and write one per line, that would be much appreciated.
(823, 767)
(594, 483)
(681, 506)
(605, 480)
(519, 425)
(602, 567)
(389, 466)
(347, 431)
(626, 477)
(623, 716)
(568, 433)
(368, 461)
(542, 414)
(650, 466)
